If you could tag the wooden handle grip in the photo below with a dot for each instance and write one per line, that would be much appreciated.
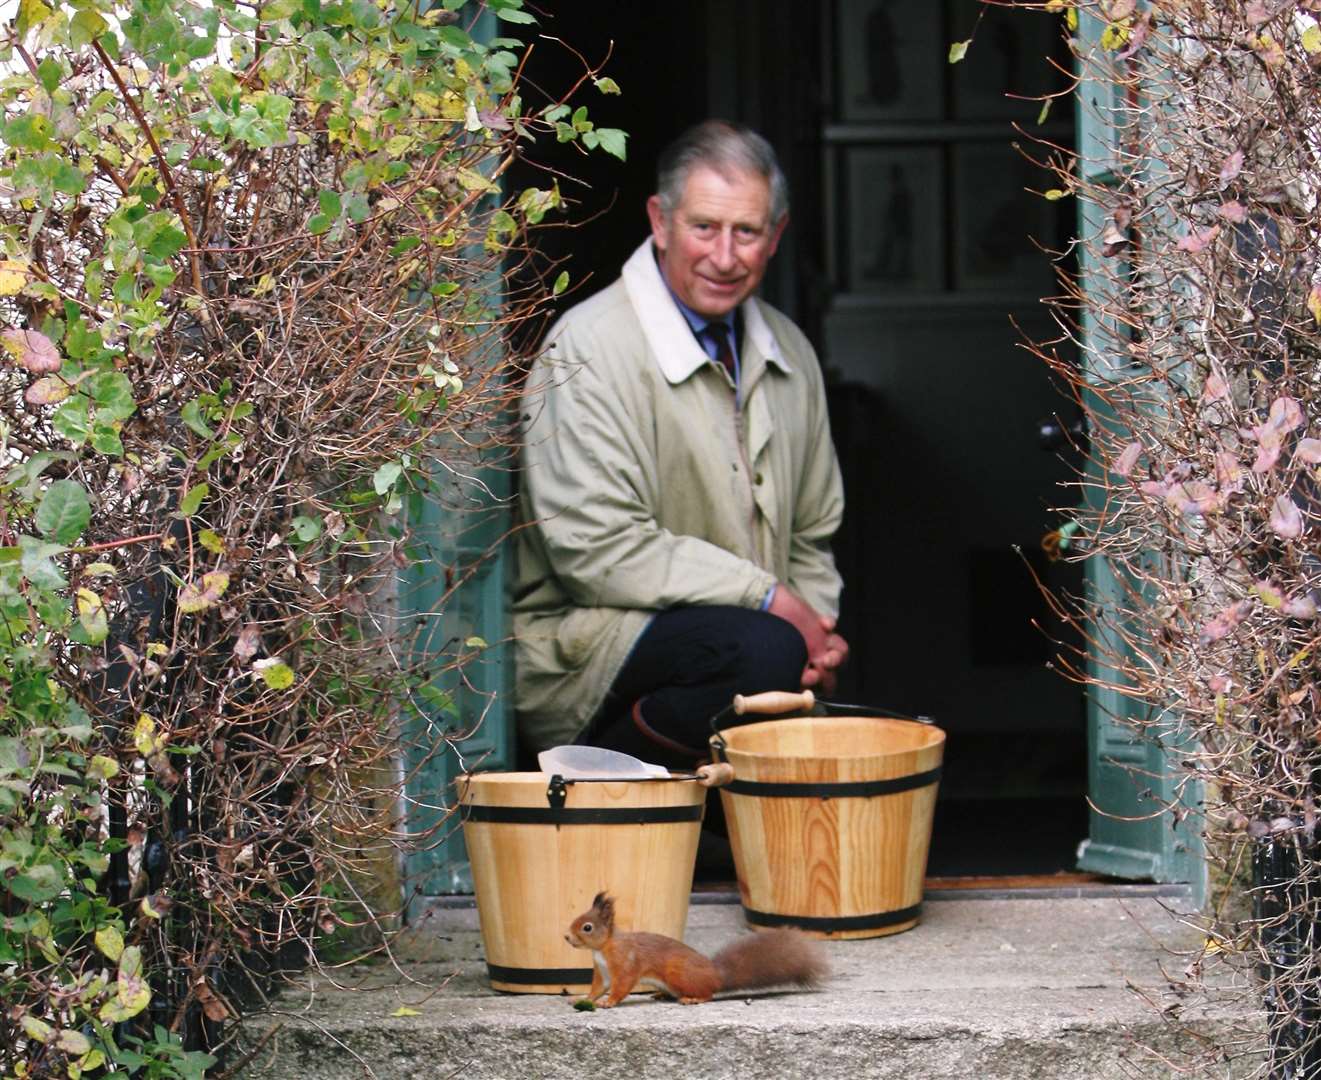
(774, 701)
(717, 775)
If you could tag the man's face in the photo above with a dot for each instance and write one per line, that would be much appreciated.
(715, 245)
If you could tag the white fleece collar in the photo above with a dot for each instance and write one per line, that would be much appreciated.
(668, 333)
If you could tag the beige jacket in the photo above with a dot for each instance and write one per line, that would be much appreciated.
(648, 486)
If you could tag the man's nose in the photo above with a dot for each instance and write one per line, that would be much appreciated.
(722, 253)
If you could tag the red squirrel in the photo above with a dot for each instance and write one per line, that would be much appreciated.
(622, 960)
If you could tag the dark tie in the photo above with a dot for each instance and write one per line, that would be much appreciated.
(718, 334)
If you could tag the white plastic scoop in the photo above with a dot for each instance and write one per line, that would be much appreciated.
(592, 762)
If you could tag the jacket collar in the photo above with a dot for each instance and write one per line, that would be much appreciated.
(677, 351)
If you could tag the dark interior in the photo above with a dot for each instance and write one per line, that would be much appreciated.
(908, 253)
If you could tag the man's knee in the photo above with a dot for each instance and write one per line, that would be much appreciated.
(772, 655)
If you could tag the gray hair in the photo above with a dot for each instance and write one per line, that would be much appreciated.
(726, 148)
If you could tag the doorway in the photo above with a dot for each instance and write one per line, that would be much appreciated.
(909, 263)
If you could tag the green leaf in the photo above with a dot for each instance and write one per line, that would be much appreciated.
(607, 85)
(210, 540)
(329, 202)
(319, 223)
(37, 565)
(958, 50)
(384, 478)
(612, 141)
(306, 528)
(113, 395)
(192, 500)
(561, 283)
(36, 884)
(64, 512)
(279, 9)
(191, 415)
(50, 73)
(72, 421)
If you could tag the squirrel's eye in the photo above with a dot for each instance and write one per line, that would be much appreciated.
(587, 928)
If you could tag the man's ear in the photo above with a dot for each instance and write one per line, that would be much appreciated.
(777, 232)
(659, 232)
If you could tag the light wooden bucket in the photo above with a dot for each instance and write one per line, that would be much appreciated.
(540, 851)
(830, 821)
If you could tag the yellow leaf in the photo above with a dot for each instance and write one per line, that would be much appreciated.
(1115, 36)
(145, 739)
(31, 14)
(452, 107)
(1054, 194)
(198, 597)
(36, 1030)
(1314, 302)
(275, 673)
(1071, 18)
(958, 50)
(111, 942)
(73, 1043)
(1312, 39)
(404, 1010)
(13, 276)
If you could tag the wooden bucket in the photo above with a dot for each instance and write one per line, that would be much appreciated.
(830, 821)
(542, 847)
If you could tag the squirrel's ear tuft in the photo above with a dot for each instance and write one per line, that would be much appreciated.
(605, 906)
(599, 899)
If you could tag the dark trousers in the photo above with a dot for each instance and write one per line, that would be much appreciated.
(684, 669)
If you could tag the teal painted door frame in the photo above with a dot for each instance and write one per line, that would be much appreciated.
(1129, 777)
(456, 594)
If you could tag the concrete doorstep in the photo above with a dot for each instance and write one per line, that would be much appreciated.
(1033, 988)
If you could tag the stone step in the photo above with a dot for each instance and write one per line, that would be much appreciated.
(1029, 987)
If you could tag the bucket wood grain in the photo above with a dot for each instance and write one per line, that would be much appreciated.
(536, 868)
(830, 821)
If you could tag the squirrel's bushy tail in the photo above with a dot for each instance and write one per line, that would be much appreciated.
(771, 958)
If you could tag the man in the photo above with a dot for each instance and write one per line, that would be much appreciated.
(680, 484)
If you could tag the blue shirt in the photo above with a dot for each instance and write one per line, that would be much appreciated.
(697, 323)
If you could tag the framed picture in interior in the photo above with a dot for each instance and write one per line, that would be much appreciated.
(891, 60)
(1008, 63)
(1000, 224)
(893, 222)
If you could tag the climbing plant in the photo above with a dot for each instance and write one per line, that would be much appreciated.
(258, 278)
(1198, 312)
